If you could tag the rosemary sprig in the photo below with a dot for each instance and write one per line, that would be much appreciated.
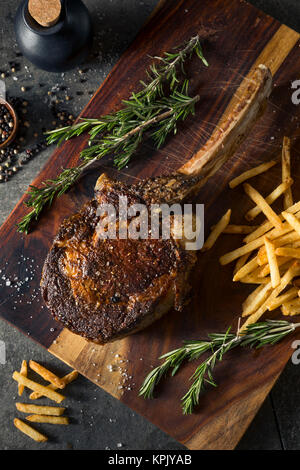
(256, 336)
(160, 75)
(155, 109)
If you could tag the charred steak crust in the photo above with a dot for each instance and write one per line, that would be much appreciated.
(106, 289)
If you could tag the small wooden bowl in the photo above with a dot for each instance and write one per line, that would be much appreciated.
(15, 119)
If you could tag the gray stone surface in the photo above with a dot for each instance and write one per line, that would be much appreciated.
(98, 420)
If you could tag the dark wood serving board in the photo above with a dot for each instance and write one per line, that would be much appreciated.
(243, 37)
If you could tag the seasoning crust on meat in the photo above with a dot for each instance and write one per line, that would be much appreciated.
(104, 289)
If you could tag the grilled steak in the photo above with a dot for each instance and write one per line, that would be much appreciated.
(106, 288)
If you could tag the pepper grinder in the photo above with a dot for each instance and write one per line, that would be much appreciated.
(55, 35)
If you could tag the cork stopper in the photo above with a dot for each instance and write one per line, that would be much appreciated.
(45, 12)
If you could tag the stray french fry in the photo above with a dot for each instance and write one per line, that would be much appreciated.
(23, 371)
(57, 397)
(239, 229)
(250, 173)
(48, 419)
(289, 295)
(67, 379)
(46, 374)
(263, 205)
(216, 232)
(40, 410)
(272, 197)
(29, 431)
(286, 171)
(272, 260)
(246, 269)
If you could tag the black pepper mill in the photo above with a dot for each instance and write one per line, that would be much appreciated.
(55, 35)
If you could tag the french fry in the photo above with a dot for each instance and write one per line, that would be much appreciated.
(287, 238)
(293, 271)
(29, 431)
(48, 419)
(55, 396)
(46, 374)
(67, 379)
(40, 410)
(291, 308)
(246, 269)
(266, 226)
(284, 310)
(253, 279)
(239, 229)
(286, 171)
(263, 205)
(282, 236)
(248, 301)
(254, 301)
(250, 246)
(262, 258)
(238, 252)
(216, 232)
(278, 242)
(272, 197)
(272, 260)
(240, 262)
(23, 371)
(292, 220)
(261, 230)
(250, 173)
(288, 252)
(289, 295)
(294, 208)
(281, 260)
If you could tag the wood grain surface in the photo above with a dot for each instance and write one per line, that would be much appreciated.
(236, 37)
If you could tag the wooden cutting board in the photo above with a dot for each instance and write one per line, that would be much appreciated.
(243, 37)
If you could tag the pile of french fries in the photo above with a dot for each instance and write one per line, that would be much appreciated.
(270, 255)
(39, 413)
